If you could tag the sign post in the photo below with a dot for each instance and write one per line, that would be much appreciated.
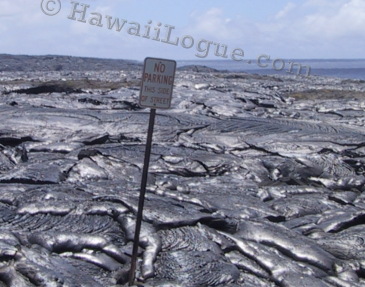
(155, 93)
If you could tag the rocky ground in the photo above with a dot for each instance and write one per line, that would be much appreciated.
(254, 180)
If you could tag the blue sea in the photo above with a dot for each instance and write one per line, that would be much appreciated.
(340, 68)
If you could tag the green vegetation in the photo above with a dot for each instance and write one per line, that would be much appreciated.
(327, 94)
(69, 86)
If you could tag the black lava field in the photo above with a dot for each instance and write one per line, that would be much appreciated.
(254, 180)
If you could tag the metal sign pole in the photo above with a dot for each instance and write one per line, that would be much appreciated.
(155, 93)
(147, 155)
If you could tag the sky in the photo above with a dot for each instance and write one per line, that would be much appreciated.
(184, 30)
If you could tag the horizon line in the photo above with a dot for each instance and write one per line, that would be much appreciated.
(200, 59)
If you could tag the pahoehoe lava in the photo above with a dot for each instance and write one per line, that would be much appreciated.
(254, 180)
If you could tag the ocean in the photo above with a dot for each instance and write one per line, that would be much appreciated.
(340, 68)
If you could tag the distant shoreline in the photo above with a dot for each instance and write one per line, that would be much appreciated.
(337, 68)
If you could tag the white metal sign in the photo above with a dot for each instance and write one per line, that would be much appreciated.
(157, 83)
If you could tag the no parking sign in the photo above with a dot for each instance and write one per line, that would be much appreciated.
(157, 83)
